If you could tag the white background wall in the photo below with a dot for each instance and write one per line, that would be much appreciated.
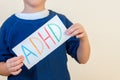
(101, 19)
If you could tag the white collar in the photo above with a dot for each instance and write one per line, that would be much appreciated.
(33, 16)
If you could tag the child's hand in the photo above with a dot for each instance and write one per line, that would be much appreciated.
(14, 65)
(76, 30)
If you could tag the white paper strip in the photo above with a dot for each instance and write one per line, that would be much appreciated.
(42, 42)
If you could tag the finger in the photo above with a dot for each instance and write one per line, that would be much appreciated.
(77, 32)
(72, 29)
(80, 35)
(19, 61)
(15, 59)
(13, 69)
(16, 72)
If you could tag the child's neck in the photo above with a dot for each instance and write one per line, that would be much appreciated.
(33, 9)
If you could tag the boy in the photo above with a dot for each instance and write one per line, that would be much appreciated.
(54, 66)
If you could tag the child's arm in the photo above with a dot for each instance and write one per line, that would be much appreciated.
(11, 66)
(3, 69)
(83, 50)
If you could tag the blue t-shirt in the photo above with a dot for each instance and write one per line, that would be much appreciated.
(52, 67)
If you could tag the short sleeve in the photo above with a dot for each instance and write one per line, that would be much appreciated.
(73, 43)
(3, 45)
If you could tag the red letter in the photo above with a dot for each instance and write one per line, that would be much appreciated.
(44, 39)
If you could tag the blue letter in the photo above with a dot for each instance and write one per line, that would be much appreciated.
(27, 52)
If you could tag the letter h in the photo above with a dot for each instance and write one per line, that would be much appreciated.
(48, 36)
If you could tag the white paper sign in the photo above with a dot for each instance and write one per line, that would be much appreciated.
(42, 42)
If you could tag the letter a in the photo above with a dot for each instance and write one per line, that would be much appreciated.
(27, 53)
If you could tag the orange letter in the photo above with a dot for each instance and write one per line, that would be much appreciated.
(34, 41)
